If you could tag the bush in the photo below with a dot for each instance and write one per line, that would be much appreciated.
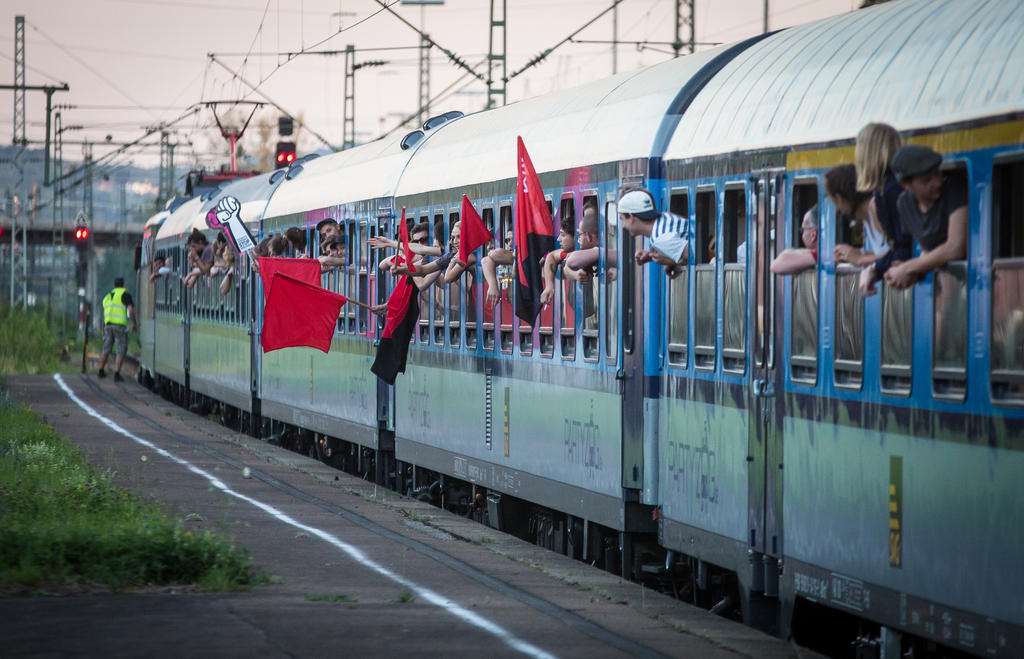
(30, 344)
(63, 522)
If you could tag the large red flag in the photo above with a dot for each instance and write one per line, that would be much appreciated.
(472, 232)
(403, 232)
(299, 314)
(534, 236)
(307, 270)
(393, 349)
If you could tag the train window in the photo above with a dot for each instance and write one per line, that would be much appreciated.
(589, 290)
(897, 332)
(424, 296)
(734, 292)
(848, 364)
(455, 302)
(439, 294)
(367, 277)
(704, 281)
(949, 331)
(611, 269)
(804, 295)
(351, 275)
(1007, 345)
(849, 328)
(487, 312)
(565, 289)
(544, 320)
(628, 273)
(949, 317)
(678, 293)
(505, 275)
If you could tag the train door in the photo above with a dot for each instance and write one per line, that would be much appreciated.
(631, 362)
(186, 325)
(764, 453)
(146, 304)
(386, 225)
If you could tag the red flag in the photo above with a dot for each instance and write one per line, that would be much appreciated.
(404, 235)
(393, 349)
(299, 314)
(472, 232)
(307, 270)
(534, 236)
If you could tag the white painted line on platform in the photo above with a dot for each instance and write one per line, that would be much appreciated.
(353, 552)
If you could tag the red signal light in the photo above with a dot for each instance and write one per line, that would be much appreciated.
(81, 233)
(280, 157)
(290, 157)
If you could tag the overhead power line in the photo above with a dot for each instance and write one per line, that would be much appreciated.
(540, 57)
(257, 90)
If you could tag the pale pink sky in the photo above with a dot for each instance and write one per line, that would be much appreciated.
(136, 63)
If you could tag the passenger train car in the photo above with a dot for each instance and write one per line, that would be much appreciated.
(776, 447)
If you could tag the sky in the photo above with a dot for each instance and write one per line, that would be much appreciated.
(132, 65)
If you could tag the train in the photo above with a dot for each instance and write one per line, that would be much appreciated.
(839, 469)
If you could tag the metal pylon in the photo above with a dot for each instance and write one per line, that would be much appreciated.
(687, 21)
(19, 142)
(424, 111)
(163, 194)
(19, 93)
(496, 50)
(348, 127)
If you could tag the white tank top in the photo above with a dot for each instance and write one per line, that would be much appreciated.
(874, 239)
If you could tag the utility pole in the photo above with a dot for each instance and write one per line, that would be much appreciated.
(424, 112)
(765, 16)
(87, 208)
(58, 216)
(690, 22)
(348, 121)
(615, 39)
(496, 57)
(19, 141)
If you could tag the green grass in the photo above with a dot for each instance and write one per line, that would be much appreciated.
(32, 346)
(62, 522)
(405, 597)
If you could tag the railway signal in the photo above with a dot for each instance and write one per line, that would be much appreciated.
(285, 154)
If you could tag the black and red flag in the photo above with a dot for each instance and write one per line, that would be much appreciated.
(534, 236)
(472, 232)
(298, 313)
(407, 254)
(403, 312)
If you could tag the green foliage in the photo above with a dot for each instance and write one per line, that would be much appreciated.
(63, 522)
(30, 344)
(405, 597)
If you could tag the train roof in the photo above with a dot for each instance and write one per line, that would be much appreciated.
(367, 171)
(911, 64)
(180, 221)
(156, 219)
(607, 120)
(252, 192)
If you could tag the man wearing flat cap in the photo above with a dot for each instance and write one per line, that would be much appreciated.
(328, 230)
(933, 209)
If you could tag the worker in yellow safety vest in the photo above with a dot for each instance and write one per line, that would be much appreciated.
(117, 309)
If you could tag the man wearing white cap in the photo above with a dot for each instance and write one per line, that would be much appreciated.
(669, 233)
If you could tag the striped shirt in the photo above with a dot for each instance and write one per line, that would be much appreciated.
(670, 235)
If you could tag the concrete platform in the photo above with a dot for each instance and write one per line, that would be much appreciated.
(360, 571)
